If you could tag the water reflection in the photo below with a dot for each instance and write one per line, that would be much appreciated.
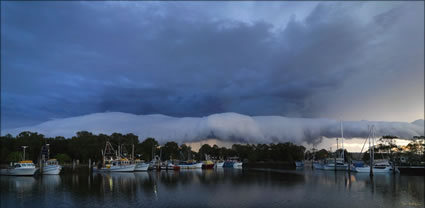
(50, 182)
(18, 185)
(213, 188)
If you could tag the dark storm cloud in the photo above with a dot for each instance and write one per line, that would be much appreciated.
(231, 127)
(63, 59)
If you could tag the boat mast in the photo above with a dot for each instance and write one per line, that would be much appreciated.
(342, 139)
(132, 152)
(373, 143)
(371, 134)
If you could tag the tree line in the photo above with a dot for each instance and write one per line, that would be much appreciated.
(86, 145)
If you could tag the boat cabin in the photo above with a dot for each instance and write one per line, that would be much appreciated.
(52, 162)
(24, 164)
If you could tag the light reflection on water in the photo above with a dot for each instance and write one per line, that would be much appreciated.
(213, 188)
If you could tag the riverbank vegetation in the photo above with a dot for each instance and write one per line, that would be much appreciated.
(410, 154)
(86, 145)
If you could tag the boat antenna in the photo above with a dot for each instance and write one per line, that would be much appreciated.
(24, 147)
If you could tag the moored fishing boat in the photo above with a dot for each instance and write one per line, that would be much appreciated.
(237, 165)
(228, 164)
(317, 165)
(21, 168)
(169, 166)
(113, 162)
(141, 165)
(337, 163)
(219, 164)
(207, 164)
(357, 163)
(339, 166)
(330, 164)
(48, 166)
(378, 167)
(51, 167)
(299, 164)
(117, 165)
(190, 165)
(154, 164)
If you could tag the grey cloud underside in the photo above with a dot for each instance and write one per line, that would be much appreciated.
(231, 127)
(65, 59)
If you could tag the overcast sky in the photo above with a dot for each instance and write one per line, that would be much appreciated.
(349, 60)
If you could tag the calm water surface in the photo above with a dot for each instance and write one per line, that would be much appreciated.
(213, 188)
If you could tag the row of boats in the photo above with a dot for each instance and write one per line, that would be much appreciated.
(27, 168)
(339, 164)
(125, 165)
(115, 161)
(24, 167)
(379, 166)
(112, 161)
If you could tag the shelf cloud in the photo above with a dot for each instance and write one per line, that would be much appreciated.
(232, 127)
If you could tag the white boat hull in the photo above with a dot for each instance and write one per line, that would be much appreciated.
(338, 167)
(18, 171)
(317, 166)
(219, 164)
(237, 165)
(375, 170)
(187, 166)
(121, 168)
(198, 165)
(52, 170)
(299, 164)
(191, 166)
(142, 167)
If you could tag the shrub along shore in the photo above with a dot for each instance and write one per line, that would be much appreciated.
(86, 145)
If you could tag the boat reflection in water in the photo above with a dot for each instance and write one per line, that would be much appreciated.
(226, 187)
(50, 182)
(17, 184)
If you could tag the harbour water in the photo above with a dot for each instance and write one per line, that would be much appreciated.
(213, 188)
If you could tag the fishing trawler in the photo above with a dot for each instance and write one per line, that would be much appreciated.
(337, 163)
(228, 164)
(141, 165)
(51, 167)
(21, 168)
(207, 164)
(190, 165)
(317, 165)
(169, 165)
(299, 164)
(237, 165)
(219, 164)
(113, 162)
(48, 166)
(376, 166)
